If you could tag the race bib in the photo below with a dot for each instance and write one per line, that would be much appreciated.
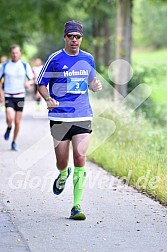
(77, 85)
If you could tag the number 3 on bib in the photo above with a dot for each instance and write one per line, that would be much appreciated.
(77, 85)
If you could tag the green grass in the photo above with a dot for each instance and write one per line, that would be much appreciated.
(130, 146)
(135, 147)
(149, 56)
(159, 91)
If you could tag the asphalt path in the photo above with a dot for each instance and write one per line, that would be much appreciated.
(33, 219)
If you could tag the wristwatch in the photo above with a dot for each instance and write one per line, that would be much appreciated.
(47, 98)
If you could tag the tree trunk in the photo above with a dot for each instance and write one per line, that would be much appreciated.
(107, 43)
(123, 44)
(96, 28)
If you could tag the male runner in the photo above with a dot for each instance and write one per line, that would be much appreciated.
(36, 70)
(15, 73)
(69, 73)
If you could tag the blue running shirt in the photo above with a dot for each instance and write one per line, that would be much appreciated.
(68, 78)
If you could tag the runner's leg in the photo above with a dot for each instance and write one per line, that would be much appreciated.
(18, 116)
(80, 144)
(10, 115)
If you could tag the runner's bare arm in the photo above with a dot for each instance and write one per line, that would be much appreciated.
(29, 83)
(51, 103)
(1, 96)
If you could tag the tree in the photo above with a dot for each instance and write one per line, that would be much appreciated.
(101, 29)
(19, 19)
(150, 23)
(123, 43)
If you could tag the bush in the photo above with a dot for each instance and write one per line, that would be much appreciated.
(154, 77)
(134, 147)
(151, 75)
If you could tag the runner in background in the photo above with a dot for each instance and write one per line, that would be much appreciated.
(15, 73)
(3, 59)
(38, 64)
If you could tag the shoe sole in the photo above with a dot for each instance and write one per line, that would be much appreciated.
(79, 216)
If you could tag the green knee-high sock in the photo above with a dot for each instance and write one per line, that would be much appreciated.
(64, 173)
(78, 182)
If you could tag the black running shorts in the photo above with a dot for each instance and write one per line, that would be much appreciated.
(16, 103)
(62, 131)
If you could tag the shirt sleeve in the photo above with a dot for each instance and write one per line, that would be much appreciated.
(29, 72)
(46, 73)
(1, 72)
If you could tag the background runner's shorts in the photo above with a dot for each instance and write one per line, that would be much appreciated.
(62, 131)
(16, 103)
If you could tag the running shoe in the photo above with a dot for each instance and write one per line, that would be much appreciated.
(77, 214)
(7, 133)
(59, 183)
(14, 146)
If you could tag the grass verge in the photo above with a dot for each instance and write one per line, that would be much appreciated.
(129, 146)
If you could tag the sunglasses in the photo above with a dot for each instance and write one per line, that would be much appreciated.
(71, 36)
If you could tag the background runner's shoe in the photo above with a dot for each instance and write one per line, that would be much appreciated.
(59, 183)
(14, 146)
(7, 133)
(77, 214)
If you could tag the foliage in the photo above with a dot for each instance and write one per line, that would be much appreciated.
(33, 21)
(135, 151)
(150, 23)
(98, 7)
(18, 21)
(150, 67)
